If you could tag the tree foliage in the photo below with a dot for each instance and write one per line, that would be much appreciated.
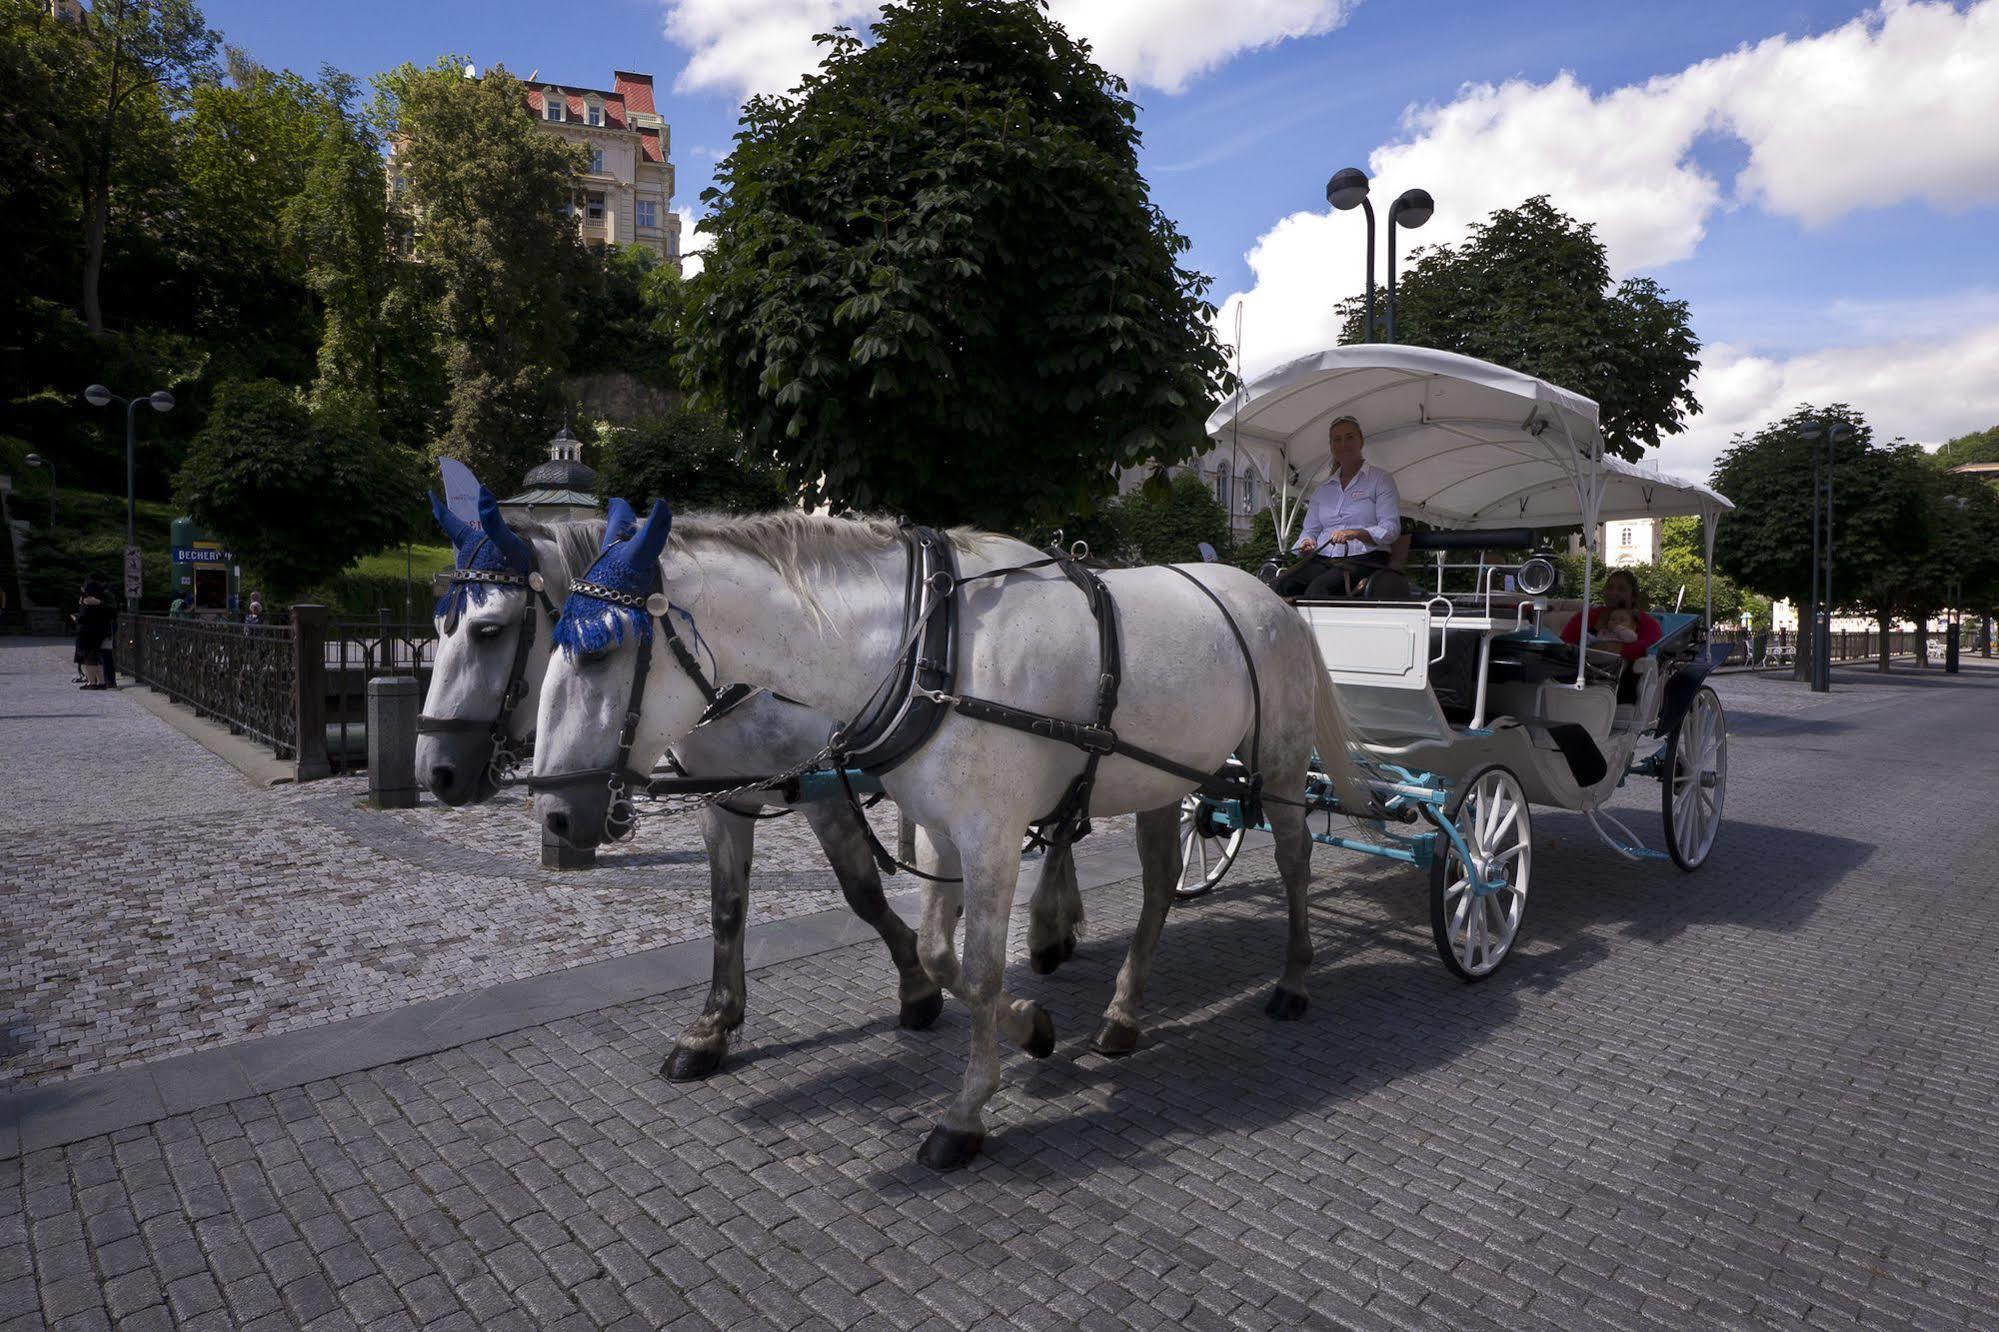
(299, 491)
(938, 284)
(1531, 290)
(626, 309)
(486, 194)
(1979, 446)
(690, 459)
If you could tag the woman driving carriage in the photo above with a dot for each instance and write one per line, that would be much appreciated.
(1348, 527)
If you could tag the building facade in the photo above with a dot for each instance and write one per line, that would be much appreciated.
(627, 191)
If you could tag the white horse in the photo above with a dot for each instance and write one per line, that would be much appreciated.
(814, 607)
(479, 637)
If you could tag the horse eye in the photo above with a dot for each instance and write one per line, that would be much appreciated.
(596, 657)
(488, 630)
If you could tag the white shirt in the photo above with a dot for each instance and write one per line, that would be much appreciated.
(1369, 502)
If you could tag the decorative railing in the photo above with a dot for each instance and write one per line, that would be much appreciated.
(301, 688)
(243, 675)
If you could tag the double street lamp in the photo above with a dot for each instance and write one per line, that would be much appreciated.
(1412, 208)
(1832, 433)
(162, 401)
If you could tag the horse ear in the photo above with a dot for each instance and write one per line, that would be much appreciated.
(495, 523)
(619, 521)
(651, 537)
(453, 525)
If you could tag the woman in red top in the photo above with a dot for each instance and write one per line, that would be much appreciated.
(1620, 623)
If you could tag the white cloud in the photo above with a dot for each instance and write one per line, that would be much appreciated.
(1899, 104)
(693, 244)
(763, 46)
(1927, 390)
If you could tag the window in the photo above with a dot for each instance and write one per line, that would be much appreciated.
(593, 207)
(594, 112)
(1248, 492)
(1625, 538)
(596, 161)
(648, 214)
(554, 105)
(1224, 490)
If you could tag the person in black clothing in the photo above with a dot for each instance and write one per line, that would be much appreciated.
(96, 622)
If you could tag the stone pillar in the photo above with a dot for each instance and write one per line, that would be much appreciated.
(392, 709)
(309, 693)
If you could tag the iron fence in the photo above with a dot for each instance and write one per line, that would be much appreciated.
(242, 675)
(301, 688)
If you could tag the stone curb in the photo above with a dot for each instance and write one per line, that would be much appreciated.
(59, 1113)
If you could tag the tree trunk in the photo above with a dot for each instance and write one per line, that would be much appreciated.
(1887, 638)
(97, 191)
(96, 207)
(1801, 658)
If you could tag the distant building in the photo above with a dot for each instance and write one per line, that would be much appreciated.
(628, 189)
(1236, 484)
(1633, 541)
(560, 490)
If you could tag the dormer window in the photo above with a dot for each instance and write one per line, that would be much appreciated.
(593, 112)
(554, 106)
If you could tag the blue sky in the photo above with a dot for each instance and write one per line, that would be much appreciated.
(1819, 180)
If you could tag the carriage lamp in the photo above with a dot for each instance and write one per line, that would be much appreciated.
(1411, 209)
(1538, 575)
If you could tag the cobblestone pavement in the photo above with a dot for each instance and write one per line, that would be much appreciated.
(1758, 1095)
(152, 902)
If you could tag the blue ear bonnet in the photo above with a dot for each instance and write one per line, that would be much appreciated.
(608, 604)
(487, 546)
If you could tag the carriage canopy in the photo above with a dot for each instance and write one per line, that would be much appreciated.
(1470, 444)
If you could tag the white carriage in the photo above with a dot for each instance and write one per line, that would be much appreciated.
(1468, 706)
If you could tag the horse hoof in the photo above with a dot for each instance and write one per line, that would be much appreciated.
(1286, 1006)
(918, 1014)
(1114, 1038)
(1045, 960)
(948, 1149)
(690, 1063)
(1041, 1041)
(1068, 946)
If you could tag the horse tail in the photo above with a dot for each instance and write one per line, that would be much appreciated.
(1332, 731)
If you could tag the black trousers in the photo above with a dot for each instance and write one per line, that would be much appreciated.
(1321, 578)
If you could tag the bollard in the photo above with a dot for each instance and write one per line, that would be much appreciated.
(1953, 634)
(560, 855)
(392, 708)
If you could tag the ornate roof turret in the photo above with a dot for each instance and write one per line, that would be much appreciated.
(564, 469)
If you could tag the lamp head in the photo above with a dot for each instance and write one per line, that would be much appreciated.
(1347, 189)
(1412, 208)
(33, 460)
(1811, 432)
(162, 401)
(1839, 433)
(97, 396)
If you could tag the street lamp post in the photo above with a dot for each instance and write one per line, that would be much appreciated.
(1832, 433)
(160, 401)
(1348, 189)
(37, 460)
(1345, 190)
(1412, 208)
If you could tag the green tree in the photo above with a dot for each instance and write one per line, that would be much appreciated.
(1880, 516)
(378, 325)
(133, 52)
(1166, 525)
(487, 197)
(690, 459)
(299, 491)
(1531, 290)
(626, 312)
(1980, 446)
(938, 284)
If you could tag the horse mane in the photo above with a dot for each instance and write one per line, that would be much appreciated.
(792, 541)
(572, 545)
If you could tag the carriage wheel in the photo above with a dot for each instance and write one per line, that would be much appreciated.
(1695, 780)
(1203, 860)
(1475, 933)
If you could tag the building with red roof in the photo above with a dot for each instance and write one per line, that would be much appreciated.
(628, 190)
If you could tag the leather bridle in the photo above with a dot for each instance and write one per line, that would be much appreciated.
(502, 758)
